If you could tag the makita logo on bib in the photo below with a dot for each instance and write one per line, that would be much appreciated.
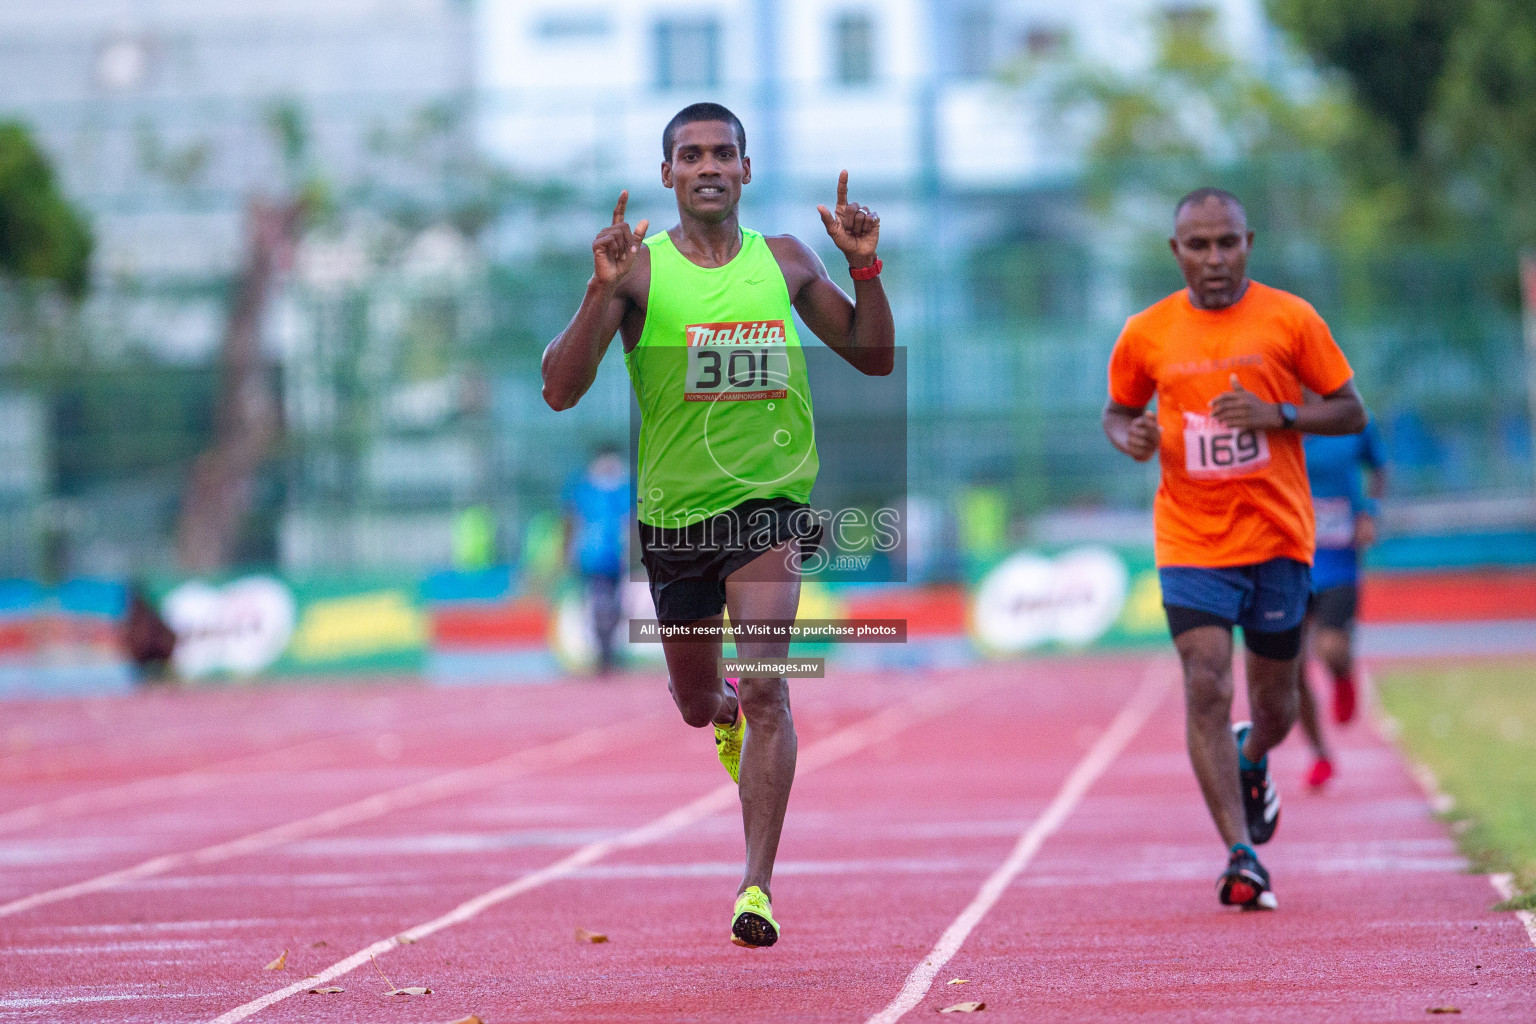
(740, 332)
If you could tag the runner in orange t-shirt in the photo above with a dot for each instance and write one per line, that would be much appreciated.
(1227, 359)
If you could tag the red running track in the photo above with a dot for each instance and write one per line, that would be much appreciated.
(339, 818)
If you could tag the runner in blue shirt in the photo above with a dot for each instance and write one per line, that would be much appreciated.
(1346, 525)
(599, 506)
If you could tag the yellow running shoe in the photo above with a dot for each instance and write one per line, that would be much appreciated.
(753, 924)
(728, 739)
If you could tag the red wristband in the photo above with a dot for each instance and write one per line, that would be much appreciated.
(868, 273)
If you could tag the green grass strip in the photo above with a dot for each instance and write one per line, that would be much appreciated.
(1474, 726)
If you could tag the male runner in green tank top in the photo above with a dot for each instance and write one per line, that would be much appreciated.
(727, 445)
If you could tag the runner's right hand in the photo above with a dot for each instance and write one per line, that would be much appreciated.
(1144, 436)
(1365, 531)
(616, 247)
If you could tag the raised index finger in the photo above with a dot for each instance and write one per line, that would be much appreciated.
(618, 208)
(842, 189)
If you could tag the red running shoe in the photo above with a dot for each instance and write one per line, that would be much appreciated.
(1322, 771)
(1344, 699)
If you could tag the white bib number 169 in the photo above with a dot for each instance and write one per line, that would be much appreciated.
(1212, 449)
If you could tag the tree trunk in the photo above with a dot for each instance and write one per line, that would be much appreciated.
(246, 420)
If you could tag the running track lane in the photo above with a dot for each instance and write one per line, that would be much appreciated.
(48, 741)
(324, 887)
(141, 781)
(877, 728)
(399, 738)
(1378, 919)
(1114, 918)
(153, 749)
(585, 744)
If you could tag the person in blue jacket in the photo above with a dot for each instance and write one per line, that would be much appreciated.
(599, 505)
(1346, 509)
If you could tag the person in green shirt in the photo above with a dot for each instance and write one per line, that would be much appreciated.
(727, 452)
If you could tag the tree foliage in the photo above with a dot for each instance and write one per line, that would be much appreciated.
(1487, 101)
(1196, 115)
(1195, 102)
(1452, 86)
(1393, 52)
(42, 236)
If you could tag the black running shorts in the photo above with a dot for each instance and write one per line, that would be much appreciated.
(688, 566)
(1335, 607)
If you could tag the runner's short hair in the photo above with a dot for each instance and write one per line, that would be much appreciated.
(693, 114)
(1200, 195)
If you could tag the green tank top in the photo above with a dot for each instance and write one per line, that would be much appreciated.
(725, 405)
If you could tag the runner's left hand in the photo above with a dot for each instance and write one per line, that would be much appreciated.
(853, 228)
(1241, 409)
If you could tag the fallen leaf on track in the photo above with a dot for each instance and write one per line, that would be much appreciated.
(1443, 1009)
(329, 990)
(582, 935)
(414, 990)
(388, 985)
(471, 1019)
(964, 1008)
(318, 945)
(959, 981)
(280, 964)
(405, 940)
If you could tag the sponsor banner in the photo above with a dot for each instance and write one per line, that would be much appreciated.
(238, 628)
(265, 625)
(357, 628)
(1090, 595)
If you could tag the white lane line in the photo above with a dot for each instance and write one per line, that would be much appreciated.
(1504, 885)
(70, 742)
(183, 783)
(193, 780)
(1125, 726)
(454, 783)
(861, 734)
(877, 866)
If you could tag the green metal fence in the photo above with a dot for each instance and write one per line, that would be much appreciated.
(409, 396)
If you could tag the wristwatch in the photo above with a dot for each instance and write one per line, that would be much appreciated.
(1287, 415)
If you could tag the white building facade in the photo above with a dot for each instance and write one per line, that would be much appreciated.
(896, 91)
(161, 113)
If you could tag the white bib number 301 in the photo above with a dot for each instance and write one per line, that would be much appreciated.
(1212, 449)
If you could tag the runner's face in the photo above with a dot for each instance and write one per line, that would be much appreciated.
(707, 170)
(1211, 241)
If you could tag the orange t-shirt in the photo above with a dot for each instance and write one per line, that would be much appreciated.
(1227, 497)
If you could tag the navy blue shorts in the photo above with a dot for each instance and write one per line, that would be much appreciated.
(1269, 597)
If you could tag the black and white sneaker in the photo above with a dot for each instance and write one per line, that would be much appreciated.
(1261, 800)
(1245, 883)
